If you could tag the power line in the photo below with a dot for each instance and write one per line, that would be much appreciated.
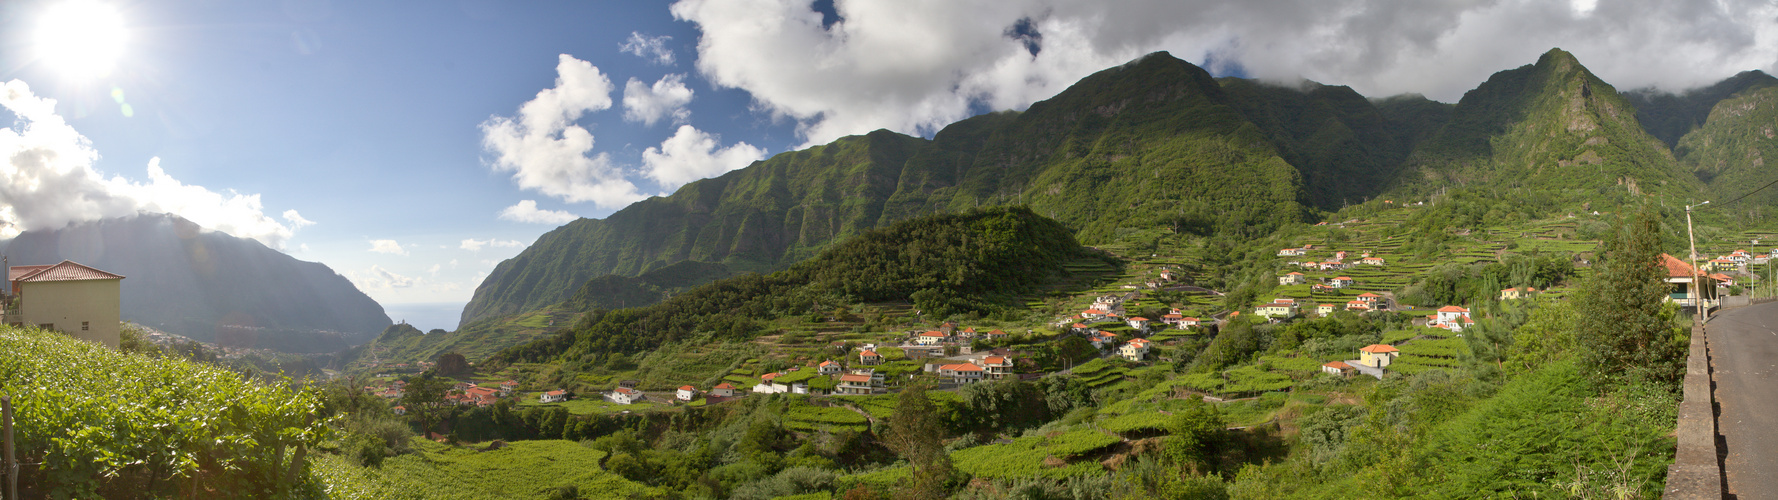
(1750, 193)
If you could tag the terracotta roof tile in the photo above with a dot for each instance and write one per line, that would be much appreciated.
(1379, 348)
(67, 270)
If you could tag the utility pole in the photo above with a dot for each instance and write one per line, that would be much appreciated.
(1698, 297)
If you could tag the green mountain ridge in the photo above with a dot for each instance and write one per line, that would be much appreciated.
(1729, 151)
(1154, 143)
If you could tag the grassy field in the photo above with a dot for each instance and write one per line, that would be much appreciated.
(525, 469)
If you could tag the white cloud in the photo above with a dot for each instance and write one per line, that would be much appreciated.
(648, 104)
(377, 278)
(548, 152)
(296, 220)
(526, 211)
(304, 248)
(916, 66)
(453, 263)
(434, 270)
(651, 48)
(691, 154)
(475, 245)
(48, 181)
(387, 246)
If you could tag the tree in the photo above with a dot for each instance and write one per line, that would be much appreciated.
(1624, 324)
(451, 363)
(424, 399)
(914, 432)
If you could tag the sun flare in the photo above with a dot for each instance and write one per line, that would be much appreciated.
(81, 38)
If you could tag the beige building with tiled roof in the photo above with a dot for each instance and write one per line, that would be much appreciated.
(67, 297)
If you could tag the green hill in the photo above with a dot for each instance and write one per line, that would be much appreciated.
(975, 261)
(1347, 147)
(1153, 142)
(1553, 128)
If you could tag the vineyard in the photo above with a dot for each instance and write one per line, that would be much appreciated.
(106, 423)
(1034, 456)
(529, 469)
(805, 418)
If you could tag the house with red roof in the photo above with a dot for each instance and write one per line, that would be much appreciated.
(1723, 279)
(555, 396)
(625, 395)
(1369, 299)
(1377, 355)
(1340, 282)
(1371, 261)
(67, 297)
(1454, 317)
(869, 357)
(1138, 322)
(1325, 308)
(856, 383)
(1516, 293)
(399, 410)
(723, 390)
(1337, 368)
(1685, 284)
(507, 387)
(1358, 306)
(829, 367)
(686, 393)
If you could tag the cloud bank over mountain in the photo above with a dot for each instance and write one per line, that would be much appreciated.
(49, 181)
(914, 67)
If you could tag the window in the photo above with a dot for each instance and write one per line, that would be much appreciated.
(83, 326)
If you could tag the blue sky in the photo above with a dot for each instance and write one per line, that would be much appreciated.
(398, 130)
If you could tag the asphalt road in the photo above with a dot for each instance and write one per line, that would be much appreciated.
(1744, 353)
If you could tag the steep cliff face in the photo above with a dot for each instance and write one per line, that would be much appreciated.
(198, 283)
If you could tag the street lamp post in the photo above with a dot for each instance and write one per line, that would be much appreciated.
(1698, 297)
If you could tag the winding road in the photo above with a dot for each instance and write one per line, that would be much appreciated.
(1744, 355)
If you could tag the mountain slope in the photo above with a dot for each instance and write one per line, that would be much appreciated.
(183, 279)
(1153, 142)
(777, 211)
(1551, 127)
(1346, 146)
(1730, 151)
(1669, 116)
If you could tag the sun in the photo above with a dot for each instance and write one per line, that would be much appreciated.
(83, 39)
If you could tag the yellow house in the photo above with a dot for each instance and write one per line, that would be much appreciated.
(1377, 355)
(1518, 293)
(67, 297)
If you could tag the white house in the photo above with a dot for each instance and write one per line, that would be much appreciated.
(507, 387)
(855, 383)
(1139, 323)
(624, 396)
(1371, 261)
(1324, 309)
(686, 393)
(929, 338)
(962, 373)
(998, 367)
(829, 368)
(555, 396)
(1290, 252)
(1453, 318)
(869, 357)
(1276, 309)
(1369, 299)
(1134, 350)
(723, 390)
(1340, 282)
(768, 385)
(1336, 368)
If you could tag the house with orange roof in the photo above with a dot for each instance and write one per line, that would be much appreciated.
(998, 367)
(1277, 309)
(1325, 308)
(399, 410)
(829, 368)
(1377, 355)
(1358, 305)
(1292, 278)
(869, 357)
(1723, 279)
(929, 338)
(1138, 322)
(723, 390)
(1340, 282)
(856, 383)
(962, 373)
(1135, 349)
(507, 387)
(1371, 261)
(555, 396)
(1369, 299)
(1685, 284)
(1337, 368)
(67, 297)
(686, 393)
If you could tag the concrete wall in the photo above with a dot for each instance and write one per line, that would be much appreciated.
(1695, 473)
(68, 304)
